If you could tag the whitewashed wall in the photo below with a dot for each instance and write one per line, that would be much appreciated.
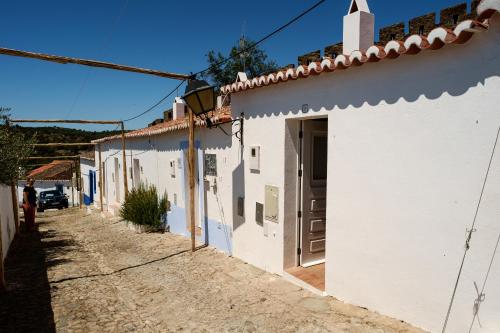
(155, 154)
(7, 222)
(409, 144)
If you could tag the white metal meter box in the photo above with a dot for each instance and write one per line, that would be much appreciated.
(255, 158)
(271, 203)
(172, 168)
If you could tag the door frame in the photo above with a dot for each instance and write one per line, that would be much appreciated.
(300, 195)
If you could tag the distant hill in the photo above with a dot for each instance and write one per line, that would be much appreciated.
(56, 134)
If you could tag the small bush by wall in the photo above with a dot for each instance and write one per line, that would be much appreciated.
(143, 206)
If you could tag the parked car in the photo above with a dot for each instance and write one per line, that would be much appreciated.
(52, 199)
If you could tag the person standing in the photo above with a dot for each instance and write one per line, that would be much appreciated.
(29, 204)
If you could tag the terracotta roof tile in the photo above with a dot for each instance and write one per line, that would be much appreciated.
(56, 170)
(222, 114)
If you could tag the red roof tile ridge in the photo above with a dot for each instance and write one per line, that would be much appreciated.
(221, 114)
(436, 39)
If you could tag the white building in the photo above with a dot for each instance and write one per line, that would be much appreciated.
(365, 171)
(157, 155)
(357, 176)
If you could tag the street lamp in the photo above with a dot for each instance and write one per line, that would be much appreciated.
(200, 98)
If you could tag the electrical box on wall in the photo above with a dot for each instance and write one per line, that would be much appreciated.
(172, 168)
(255, 158)
(271, 203)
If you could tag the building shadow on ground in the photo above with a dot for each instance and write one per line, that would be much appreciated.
(25, 306)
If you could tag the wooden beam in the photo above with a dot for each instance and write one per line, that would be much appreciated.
(100, 177)
(63, 144)
(102, 122)
(2, 273)
(91, 63)
(79, 182)
(51, 157)
(191, 162)
(124, 156)
(15, 204)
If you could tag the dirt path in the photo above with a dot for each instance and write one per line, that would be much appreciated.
(102, 277)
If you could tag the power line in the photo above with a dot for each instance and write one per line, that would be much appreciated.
(469, 234)
(104, 45)
(157, 103)
(286, 25)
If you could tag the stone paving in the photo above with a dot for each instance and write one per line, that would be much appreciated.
(83, 273)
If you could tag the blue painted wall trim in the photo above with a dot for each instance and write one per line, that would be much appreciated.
(214, 234)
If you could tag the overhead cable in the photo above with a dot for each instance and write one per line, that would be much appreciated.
(252, 46)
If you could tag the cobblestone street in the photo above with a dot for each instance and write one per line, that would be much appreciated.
(83, 273)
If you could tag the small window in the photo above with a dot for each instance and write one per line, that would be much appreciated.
(172, 168)
(320, 157)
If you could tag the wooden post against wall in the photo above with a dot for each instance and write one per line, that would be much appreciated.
(15, 204)
(79, 182)
(72, 187)
(124, 155)
(191, 181)
(2, 274)
(100, 177)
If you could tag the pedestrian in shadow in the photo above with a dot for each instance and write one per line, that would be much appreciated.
(29, 204)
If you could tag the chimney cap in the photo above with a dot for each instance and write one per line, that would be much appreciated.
(358, 6)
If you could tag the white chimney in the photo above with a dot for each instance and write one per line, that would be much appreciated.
(359, 27)
(179, 108)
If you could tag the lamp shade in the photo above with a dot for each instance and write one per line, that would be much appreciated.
(199, 96)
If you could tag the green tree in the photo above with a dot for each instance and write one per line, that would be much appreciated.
(14, 148)
(252, 60)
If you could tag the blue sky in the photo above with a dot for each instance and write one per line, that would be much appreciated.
(165, 35)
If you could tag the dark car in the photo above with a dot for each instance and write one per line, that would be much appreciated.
(52, 199)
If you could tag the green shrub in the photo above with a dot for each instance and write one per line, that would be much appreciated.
(144, 207)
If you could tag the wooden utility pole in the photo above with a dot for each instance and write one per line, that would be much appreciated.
(72, 187)
(100, 177)
(2, 274)
(191, 162)
(79, 182)
(15, 204)
(124, 155)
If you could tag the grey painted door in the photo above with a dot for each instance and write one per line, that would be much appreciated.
(314, 174)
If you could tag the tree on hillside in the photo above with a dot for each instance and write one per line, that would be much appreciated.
(14, 148)
(253, 61)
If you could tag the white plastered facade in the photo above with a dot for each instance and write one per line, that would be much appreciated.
(409, 144)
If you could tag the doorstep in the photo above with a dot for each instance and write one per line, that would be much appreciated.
(311, 278)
